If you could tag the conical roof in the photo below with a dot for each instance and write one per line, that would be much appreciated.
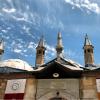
(41, 42)
(87, 41)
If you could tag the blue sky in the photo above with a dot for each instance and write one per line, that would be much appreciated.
(22, 22)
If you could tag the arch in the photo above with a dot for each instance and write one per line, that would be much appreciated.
(57, 97)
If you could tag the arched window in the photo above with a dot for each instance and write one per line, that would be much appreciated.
(57, 97)
(39, 51)
(88, 50)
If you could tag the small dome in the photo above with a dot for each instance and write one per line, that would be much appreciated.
(16, 63)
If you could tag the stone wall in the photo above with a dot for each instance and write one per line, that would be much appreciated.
(88, 88)
(30, 89)
(3, 83)
(44, 89)
(67, 88)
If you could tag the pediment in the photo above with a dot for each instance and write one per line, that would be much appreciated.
(67, 64)
(56, 69)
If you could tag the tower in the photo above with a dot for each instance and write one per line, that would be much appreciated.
(88, 52)
(59, 47)
(40, 52)
(1, 48)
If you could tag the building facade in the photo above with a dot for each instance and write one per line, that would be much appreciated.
(59, 79)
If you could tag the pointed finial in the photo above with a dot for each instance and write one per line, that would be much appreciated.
(41, 42)
(59, 46)
(87, 41)
(59, 41)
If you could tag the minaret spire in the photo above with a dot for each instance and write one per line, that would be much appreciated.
(88, 52)
(1, 48)
(59, 47)
(87, 41)
(41, 42)
(40, 52)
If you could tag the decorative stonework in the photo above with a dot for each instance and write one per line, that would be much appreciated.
(68, 88)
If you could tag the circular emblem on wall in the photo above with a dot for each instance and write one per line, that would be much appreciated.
(15, 85)
(55, 75)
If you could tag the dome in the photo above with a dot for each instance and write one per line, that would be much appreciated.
(16, 63)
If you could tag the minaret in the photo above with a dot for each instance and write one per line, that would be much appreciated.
(59, 47)
(1, 49)
(88, 52)
(40, 52)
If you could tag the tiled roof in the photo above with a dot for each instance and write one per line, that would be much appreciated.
(7, 69)
(63, 62)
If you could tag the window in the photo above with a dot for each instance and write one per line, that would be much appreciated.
(39, 52)
(88, 50)
(43, 52)
(85, 51)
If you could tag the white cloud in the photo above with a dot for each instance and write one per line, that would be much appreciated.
(17, 50)
(20, 18)
(4, 31)
(12, 10)
(53, 22)
(26, 29)
(50, 50)
(71, 54)
(32, 45)
(92, 6)
(9, 1)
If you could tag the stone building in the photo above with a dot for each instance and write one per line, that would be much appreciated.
(59, 79)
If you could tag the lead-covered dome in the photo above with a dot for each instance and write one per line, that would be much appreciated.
(16, 63)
